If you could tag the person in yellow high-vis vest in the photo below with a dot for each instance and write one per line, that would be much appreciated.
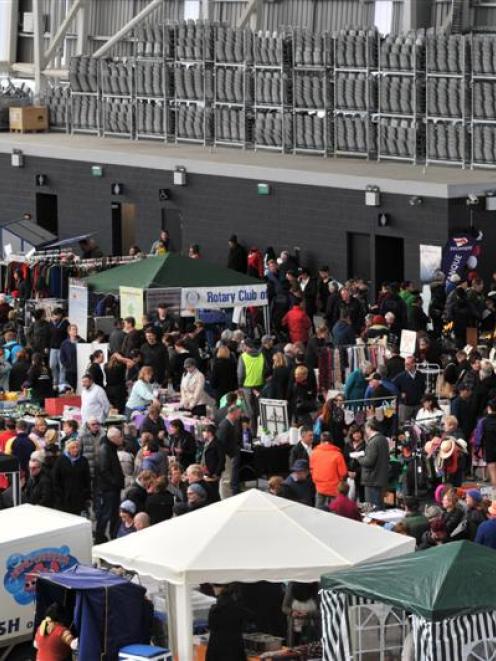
(252, 372)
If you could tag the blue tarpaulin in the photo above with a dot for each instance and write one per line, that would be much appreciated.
(108, 612)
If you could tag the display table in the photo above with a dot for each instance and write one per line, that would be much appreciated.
(264, 461)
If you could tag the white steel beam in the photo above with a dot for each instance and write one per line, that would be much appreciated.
(126, 28)
(61, 32)
(38, 32)
(246, 15)
(82, 28)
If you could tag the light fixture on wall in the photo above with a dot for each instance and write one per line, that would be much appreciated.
(384, 220)
(372, 196)
(472, 200)
(17, 158)
(179, 176)
(490, 200)
(415, 201)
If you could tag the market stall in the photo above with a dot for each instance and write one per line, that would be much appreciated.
(180, 282)
(106, 611)
(443, 599)
(250, 537)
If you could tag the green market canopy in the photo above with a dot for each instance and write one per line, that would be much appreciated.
(202, 284)
(450, 592)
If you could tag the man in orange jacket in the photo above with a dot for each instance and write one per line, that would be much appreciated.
(298, 324)
(328, 468)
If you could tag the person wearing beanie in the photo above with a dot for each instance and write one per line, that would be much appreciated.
(127, 510)
(476, 513)
(197, 498)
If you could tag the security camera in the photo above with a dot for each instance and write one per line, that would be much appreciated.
(472, 199)
(415, 201)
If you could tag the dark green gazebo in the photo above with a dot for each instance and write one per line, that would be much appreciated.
(449, 591)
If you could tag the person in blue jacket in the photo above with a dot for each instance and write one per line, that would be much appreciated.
(356, 383)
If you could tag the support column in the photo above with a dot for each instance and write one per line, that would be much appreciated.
(39, 80)
(184, 622)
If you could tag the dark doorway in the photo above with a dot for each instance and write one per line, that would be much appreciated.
(46, 212)
(359, 256)
(172, 221)
(123, 227)
(389, 260)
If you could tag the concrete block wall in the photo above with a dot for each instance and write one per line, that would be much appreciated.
(314, 218)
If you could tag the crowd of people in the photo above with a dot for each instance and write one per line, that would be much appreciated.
(132, 476)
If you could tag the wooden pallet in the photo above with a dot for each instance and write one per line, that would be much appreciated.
(28, 130)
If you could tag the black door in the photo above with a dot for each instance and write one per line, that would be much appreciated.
(172, 221)
(116, 229)
(359, 256)
(389, 260)
(46, 212)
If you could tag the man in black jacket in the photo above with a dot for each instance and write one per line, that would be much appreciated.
(298, 486)
(155, 355)
(39, 488)
(109, 480)
(303, 449)
(237, 259)
(229, 435)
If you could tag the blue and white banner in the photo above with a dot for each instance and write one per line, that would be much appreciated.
(459, 256)
(224, 297)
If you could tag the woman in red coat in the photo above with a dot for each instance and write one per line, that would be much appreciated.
(53, 640)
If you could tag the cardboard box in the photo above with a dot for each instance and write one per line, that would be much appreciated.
(29, 118)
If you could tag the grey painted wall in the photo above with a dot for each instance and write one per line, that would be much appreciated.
(314, 218)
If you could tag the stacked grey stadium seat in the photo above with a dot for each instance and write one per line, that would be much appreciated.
(272, 88)
(351, 135)
(397, 137)
(150, 79)
(150, 40)
(57, 104)
(233, 45)
(445, 97)
(116, 78)
(117, 117)
(484, 144)
(83, 74)
(84, 113)
(355, 59)
(231, 125)
(193, 82)
(310, 131)
(194, 123)
(309, 90)
(446, 141)
(352, 91)
(398, 95)
(194, 41)
(274, 129)
(356, 48)
(310, 49)
(448, 98)
(150, 118)
(403, 52)
(233, 85)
